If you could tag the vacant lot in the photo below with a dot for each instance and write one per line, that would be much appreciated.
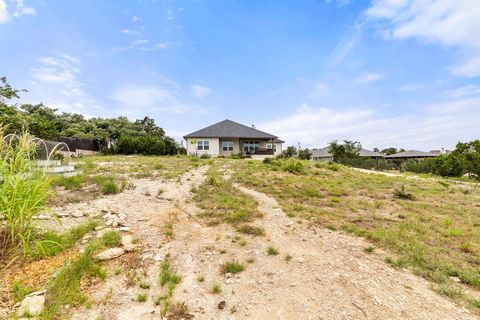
(139, 237)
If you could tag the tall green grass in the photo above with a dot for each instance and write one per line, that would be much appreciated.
(24, 190)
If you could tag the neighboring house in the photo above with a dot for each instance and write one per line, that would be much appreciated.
(324, 154)
(411, 154)
(228, 137)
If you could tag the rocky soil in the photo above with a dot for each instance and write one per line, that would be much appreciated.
(327, 275)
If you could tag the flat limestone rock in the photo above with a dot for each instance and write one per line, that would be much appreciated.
(109, 254)
(31, 306)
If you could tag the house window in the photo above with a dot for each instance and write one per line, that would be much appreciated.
(227, 146)
(271, 146)
(250, 146)
(203, 145)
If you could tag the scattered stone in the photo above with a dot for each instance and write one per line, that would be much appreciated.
(77, 214)
(36, 293)
(42, 217)
(221, 305)
(109, 254)
(289, 223)
(31, 305)
(142, 219)
(127, 243)
(62, 214)
(455, 279)
(124, 229)
(98, 228)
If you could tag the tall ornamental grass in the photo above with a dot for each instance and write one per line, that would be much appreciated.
(23, 193)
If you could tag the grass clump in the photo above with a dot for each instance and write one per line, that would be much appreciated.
(69, 183)
(144, 285)
(111, 238)
(402, 193)
(50, 243)
(24, 191)
(232, 267)
(216, 288)
(107, 184)
(251, 229)
(293, 166)
(272, 251)
(168, 277)
(64, 288)
(142, 297)
(20, 291)
(179, 310)
(201, 278)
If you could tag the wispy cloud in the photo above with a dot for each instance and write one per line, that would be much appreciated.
(430, 129)
(57, 83)
(449, 23)
(163, 97)
(348, 42)
(340, 3)
(199, 91)
(368, 77)
(19, 10)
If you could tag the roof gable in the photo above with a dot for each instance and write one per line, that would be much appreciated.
(230, 129)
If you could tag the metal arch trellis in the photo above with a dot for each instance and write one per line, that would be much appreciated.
(45, 149)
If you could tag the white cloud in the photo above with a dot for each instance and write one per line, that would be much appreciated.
(340, 3)
(465, 91)
(135, 18)
(441, 124)
(368, 77)
(23, 10)
(348, 43)
(4, 16)
(199, 91)
(451, 23)
(57, 83)
(20, 10)
(154, 98)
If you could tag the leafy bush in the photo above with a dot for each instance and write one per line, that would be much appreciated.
(251, 229)
(205, 156)
(146, 145)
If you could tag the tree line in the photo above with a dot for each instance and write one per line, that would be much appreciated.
(115, 135)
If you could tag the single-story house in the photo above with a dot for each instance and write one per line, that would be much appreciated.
(228, 137)
(324, 154)
(411, 154)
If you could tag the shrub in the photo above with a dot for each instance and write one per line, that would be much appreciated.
(205, 156)
(293, 166)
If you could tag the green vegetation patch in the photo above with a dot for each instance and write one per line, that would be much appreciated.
(222, 202)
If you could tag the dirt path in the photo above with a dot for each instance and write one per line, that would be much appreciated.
(329, 277)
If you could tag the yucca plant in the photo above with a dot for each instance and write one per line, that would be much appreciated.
(23, 192)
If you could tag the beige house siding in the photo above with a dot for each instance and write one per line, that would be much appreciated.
(214, 147)
(236, 147)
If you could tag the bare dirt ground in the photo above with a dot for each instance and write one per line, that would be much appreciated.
(330, 276)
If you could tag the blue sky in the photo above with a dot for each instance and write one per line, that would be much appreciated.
(401, 73)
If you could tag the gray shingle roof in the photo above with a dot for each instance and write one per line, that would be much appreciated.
(324, 153)
(412, 154)
(230, 129)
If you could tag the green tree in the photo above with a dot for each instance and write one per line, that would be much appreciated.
(346, 150)
(304, 154)
(291, 151)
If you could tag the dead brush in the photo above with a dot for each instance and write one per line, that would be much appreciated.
(179, 310)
